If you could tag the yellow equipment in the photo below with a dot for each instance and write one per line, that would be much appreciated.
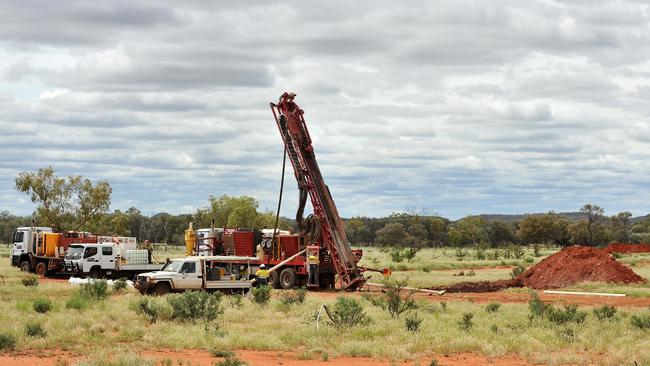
(190, 240)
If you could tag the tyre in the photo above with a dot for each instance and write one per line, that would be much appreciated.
(96, 273)
(25, 266)
(288, 278)
(41, 269)
(161, 289)
(274, 279)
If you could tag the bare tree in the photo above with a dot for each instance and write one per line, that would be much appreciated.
(594, 214)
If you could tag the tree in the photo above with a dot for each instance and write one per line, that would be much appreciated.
(352, 229)
(594, 215)
(64, 204)
(500, 233)
(621, 226)
(392, 234)
(234, 211)
(468, 230)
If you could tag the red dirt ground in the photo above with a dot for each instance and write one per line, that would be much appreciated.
(564, 268)
(259, 358)
(627, 248)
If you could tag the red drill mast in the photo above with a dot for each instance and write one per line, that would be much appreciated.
(325, 226)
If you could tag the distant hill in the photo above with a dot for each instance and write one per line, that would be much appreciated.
(573, 216)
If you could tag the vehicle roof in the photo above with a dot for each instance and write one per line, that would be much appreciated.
(41, 228)
(222, 258)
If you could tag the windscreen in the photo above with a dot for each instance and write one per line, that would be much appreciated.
(172, 266)
(74, 252)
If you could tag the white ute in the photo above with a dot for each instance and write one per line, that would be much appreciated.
(211, 273)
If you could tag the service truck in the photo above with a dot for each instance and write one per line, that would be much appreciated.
(108, 259)
(40, 250)
(226, 273)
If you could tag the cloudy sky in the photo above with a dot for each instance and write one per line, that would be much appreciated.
(460, 107)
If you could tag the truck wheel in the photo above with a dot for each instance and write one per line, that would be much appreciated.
(41, 269)
(274, 279)
(26, 266)
(95, 273)
(288, 278)
(161, 289)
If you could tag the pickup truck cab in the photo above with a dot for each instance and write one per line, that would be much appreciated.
(211, 273)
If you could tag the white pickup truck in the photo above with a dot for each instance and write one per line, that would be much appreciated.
(231, 274)
(107, 260)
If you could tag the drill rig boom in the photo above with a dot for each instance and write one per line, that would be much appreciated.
(326, 223)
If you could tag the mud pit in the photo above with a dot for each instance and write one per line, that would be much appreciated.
(564, 268)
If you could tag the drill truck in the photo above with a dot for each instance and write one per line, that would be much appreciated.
(322, 234)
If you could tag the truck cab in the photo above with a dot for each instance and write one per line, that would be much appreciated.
(26, 240)
(211, 273)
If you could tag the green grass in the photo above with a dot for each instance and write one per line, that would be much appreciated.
(97, 329)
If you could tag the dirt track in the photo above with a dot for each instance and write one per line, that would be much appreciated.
(260, 358)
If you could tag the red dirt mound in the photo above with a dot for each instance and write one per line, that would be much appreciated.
(577, 264)
(566, 267)
(627, 248)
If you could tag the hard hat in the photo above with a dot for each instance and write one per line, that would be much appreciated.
(262, 265)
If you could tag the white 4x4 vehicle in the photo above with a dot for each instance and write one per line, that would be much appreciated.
(106, 260)
(211, 273)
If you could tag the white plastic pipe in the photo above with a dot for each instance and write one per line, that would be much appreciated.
(582, 293)
(442, 292)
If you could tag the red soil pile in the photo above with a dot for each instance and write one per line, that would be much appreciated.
(566, 267)
(627, 248)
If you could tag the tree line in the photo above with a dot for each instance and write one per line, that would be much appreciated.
(75, 203)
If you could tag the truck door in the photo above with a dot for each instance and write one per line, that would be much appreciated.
(90, 259)
(107, 257)
(189, 276)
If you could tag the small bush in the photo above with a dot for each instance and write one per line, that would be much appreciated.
(220, 353)
(35, 330)
(119, 285)
(537, 250)
(480, 254)
(395, 299)
(536, 307)
(261, 295)
(42, 305)
(518, 251)
(517, 271)
(7, 341)
(617, 255)
(152, 309)
(570, 314)
(426, 269)
(291, 297)
(466, 322)
(529, 259)
(443, 306)
(77, 302)
(30, 281)
(348, 312)
(433, 362)
(413, 322)
(409, 253)
(471, 273)
(196, 305)
(492, 307)
(235, 300)
(396, 256)
(641, 321)
(94, 289)
(494, 328)
(231, 361)
(567, 334)
(605, 312)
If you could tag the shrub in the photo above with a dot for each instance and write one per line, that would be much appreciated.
(119, 285)
(151, 308)
(291, 297)
(471, 273)
(35, 330)
(235, 300)
(42, 305)
(347, 312)
(536, 307)
(443, 306)
(518, 251)
(641, 321)
(413, 322)
(517, 271)
(77, 302)
(494, 328)
(433, 362)
(605, 312)
(7, 341)
(261, 295)
(426, 269)
(570, 314)
(529, 259)
(537, 250)
(196, 305)
(220, 353)
(493, 255)
(568, 334)
(396, 256)
(492, 307)
(395, 299)
(30, 281)
(409, 253)
(231, 361)
(466, 322)
(617, 255)
(480, 254)
(94, 289)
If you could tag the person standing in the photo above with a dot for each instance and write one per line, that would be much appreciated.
(313, 269)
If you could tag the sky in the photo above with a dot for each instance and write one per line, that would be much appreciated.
(448, 107)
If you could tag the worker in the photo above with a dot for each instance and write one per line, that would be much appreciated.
(313, 269)
(262, 276)
(146, 245)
